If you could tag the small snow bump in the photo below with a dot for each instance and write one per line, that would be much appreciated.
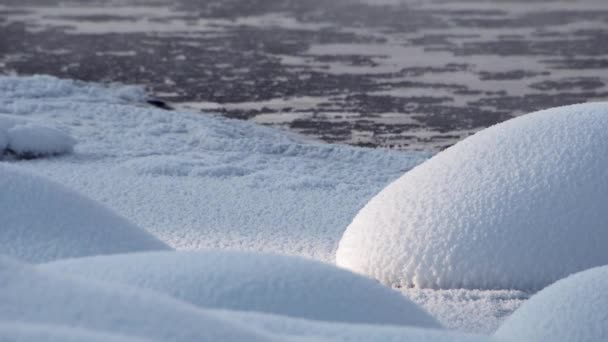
(26, 138)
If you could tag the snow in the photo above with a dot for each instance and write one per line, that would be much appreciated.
(283, 285)
(37, 302)
(33, 296)
(572, 309)
(196, 181)
(24, 332)
(43, 221)
(473, 311)
(331, 331)
(515, 206)
(27, 139)
(173, 173)
(3, 140)
(51, 89)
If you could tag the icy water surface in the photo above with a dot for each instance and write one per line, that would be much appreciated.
(406, 75)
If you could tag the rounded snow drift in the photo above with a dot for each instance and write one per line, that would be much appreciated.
(283, 285)
(30, 295)
(43, 221)
(572, 309)
(515, 206)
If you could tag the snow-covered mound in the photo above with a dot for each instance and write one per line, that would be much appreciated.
(27, 139)
(516, 206)
(41, 300)
(572, 309)
(33, 296)
(43, 221)
(283, 285)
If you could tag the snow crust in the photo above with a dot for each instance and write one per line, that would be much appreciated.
(572, 309)
(515, 206)
(309, 330)
(245, 281)
(472, 311)
(43, 221)
(174, 173)
(27, 139)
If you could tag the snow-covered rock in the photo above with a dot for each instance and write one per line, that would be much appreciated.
(515, 206)
(43, 221)
(572, 309)
(25, 138)
(283, 285)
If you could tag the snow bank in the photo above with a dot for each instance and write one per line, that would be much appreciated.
(44, 301)
(33, 296)
(26, 139)
(516, 206)
(174, 172)
(572, 309)
(276, 284)
(43, 221)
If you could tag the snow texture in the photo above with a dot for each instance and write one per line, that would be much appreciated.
(332, 331)
(246, 281)
(44, 221)
(40, 301)
(24, 138)
(572, 309)
(198, 181)
(472, 311)
(515, 206)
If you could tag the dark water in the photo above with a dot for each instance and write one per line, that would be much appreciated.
(412, 75)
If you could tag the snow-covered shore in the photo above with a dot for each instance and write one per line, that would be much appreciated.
(128, 178)
(173, 173)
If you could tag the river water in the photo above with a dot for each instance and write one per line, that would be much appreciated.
(411, 75)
